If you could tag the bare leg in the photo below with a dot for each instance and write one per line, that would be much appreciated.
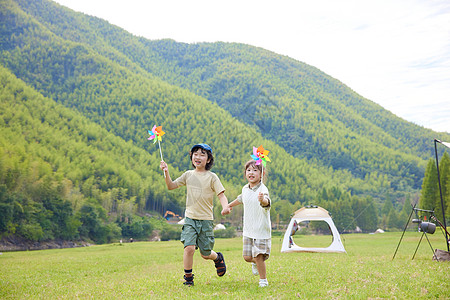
(248, 259)
(188, 257)
(211, 256)
(261, 265)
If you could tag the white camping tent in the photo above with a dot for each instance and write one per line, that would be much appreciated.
(311, 214)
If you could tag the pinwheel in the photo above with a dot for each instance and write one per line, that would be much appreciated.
(155, 134)
(260, 155)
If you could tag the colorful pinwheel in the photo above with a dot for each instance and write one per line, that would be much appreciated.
(156, 133)
(260, 155)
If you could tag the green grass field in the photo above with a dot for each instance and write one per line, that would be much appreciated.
(155, 270)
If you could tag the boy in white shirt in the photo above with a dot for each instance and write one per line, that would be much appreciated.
(257, 225)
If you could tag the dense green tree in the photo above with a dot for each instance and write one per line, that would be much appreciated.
(281, 210)
(6, 209)
(392, 220)
(444, 174)
(365, 214)
(388, 209)
(343, 216)
(370, 217)
(430, 188)
(91, 224)
(135, 227)
(405, 213)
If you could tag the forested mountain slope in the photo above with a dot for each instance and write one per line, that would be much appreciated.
(305, 111)
(233, 96)
(283, 99)
(127, 102)
(54, 163)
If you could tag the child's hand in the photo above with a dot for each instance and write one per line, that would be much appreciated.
(226, 210)
(163, 166)
(260, 197)
(264, 202)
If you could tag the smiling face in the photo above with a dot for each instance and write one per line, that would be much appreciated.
(200, 159)
(253, 174)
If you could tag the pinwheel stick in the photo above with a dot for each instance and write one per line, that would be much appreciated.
(262, 173)
(160, 152)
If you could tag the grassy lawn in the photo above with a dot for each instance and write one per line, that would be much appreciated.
(155, 270)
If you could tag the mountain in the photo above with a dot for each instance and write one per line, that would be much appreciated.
(70, 66)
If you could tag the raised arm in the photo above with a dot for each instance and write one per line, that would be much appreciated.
(170, 184)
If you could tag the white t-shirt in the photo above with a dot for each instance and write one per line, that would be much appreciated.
(257, 223)
(201, 188)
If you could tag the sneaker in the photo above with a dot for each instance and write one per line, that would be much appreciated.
(254, 269)
(263, 283)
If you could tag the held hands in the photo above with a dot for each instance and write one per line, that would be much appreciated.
(226, 210)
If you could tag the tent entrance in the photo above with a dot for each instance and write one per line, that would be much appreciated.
(313, 234)
(315, 218)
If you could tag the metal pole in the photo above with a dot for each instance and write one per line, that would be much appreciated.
(440, 192)
(418, 246)
(407, 222)
(432, 250)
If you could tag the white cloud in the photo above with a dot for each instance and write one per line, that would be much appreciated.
(393, 52)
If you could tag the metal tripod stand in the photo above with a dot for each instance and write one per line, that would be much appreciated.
(425, 227)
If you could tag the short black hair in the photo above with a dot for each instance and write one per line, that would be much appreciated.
(210, 156)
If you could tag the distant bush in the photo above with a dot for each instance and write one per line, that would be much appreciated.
(32, 232)
(113, 232)
(230, 232)
(170, 232)
(136, 227)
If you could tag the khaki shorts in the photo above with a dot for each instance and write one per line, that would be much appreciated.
(254, 247)
(199, 233)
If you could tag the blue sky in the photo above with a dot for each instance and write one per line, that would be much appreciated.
(393, 52)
